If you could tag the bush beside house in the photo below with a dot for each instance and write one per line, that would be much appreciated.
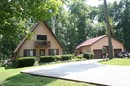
(80, 56)
(56, 58)
(30, 61)
(25, 61)
(66, 57)
(47, 58)
(88, 55)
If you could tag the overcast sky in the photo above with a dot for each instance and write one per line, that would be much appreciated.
(97, 2)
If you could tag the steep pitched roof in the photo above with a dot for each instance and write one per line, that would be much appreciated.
(25, 38)
(90, 41)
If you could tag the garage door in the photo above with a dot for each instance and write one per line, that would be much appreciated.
(116, 51)
(97, 54)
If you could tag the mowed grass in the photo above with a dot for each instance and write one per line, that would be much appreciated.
(117, 61)
(13, 77)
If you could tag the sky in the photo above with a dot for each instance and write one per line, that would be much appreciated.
(97, 2)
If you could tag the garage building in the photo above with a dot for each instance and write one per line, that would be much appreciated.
(94, 45)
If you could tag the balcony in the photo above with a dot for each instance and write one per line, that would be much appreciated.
(42, 44)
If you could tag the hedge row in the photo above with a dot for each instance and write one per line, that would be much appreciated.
(66, 57)
(29, 61)
(55, 58)
(47, 58)
(25, 61)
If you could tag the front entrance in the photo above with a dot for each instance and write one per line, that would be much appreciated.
(42, 52)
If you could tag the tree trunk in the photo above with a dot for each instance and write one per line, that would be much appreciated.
(110, 53)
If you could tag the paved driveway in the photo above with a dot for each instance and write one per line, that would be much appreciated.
(86, 71)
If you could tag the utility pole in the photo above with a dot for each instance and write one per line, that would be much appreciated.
(110, 53)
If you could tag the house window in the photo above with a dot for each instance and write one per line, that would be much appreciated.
(41, 37)
(29, 52)
(53, 52)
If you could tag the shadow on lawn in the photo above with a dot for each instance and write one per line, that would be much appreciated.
(27, 80)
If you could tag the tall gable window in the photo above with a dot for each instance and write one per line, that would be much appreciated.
(29, 52)
(41, 37)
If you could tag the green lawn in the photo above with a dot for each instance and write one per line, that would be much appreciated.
(13, 77)
(117, 61)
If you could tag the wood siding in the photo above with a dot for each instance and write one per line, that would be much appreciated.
(41, 29)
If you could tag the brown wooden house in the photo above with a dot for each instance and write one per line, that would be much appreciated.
(42, 43)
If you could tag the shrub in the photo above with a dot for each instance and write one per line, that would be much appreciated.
(47, 58)
(25, 61)
(58, 58)
(80, 56)
(91, 55)
(88, 55)
(66, 57)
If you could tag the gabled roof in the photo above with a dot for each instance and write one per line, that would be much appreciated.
(25, 38)
(90, 41)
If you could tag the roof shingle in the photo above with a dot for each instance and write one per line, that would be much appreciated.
(90, 41)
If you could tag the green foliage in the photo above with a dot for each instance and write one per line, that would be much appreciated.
(119, 18)
(47, 58)
(80, 11)
(117, 61)
(88, 55)
(66, 57)
(126, 24)
(30, 9)
(25, 61)
(58, 58)
(10, 65)
(91, 56)
(80, 56)
(77, 24)
(13, 77)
